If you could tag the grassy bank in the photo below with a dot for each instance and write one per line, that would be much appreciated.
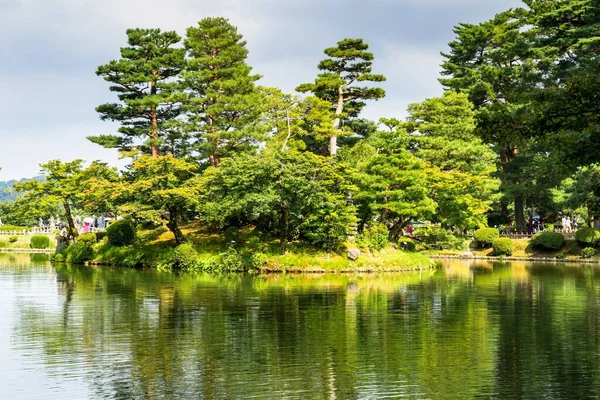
(524, 249)
(21, 241)
(244, 252)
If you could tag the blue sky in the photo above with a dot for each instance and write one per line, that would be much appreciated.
(50, 49)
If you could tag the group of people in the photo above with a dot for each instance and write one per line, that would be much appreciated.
(83, 225)
(568, 225)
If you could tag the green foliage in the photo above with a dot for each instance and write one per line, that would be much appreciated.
(438, 238)
(89, 237)
(407, 244)
(185, 257)
(587, 237)
(376, 236)
(13, 239)
(561, 255)
(503, 246)
(290, 195)
(223, 105)
(101, 235)
(232, 235)
(59, 258)
(144, 80)
(79, 252)
(121, 233)
(588, 252)
(548, 241)
(486, 236)
(11, 228)
(3, 244)
(40, 242)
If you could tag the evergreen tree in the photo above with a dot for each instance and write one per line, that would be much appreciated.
(144, 82)
(492, 63)
(223, 102)
(443, 135)
(349, 64)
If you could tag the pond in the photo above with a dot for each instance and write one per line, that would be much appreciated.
(467, 330)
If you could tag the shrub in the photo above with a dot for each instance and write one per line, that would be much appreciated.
(121, 233)
(587, 237)
(548, 241)
(588, 252)
(503, 247)
(89, 237)
(407, 244)
(549, 227)
(100, 235)
(10, 228)
(486, 236)
(3, 244)
(376, 236)
(232, 234)
(39, 242)
(561, 255)
(61, 247)
(79, 252)
(437, 238)
(59, 258)
(13, 239)
(185, 257)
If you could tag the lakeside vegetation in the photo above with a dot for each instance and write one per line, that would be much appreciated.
(275, 181)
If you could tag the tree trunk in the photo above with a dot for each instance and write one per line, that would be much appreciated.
(72, 234)
(285, 228)
(504, 210)
(336, 123)
(396, 230)
(173, 227)
(154, 119)
(520, 213)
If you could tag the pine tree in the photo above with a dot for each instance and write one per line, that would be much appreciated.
(492, 63)
(223, 102)
(143, 79)
(349, 64)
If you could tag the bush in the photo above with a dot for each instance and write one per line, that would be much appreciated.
(376, 236)
(58, 258)
(185, 257)
(549, 227)
(80, 252)
(121, 233)
(587, 237)
(3, 244)
(13, 239)
(89, 237)
(548, 241)
(437, 238)
(588, 252)
(486, 236)
(232, 234)
(503, 247)
(100, 235)
(39, 242)
(407, 244)
(61, 247)
(561, 256)
(10, 228)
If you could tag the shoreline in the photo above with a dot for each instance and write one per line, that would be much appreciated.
(527, 259)
(25, 250)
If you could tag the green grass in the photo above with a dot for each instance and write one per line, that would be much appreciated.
(156, 249)
(22, 242)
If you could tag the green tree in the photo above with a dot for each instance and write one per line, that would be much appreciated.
(64, 184)
(157, 185)
(394, 183)
(348, 65)
(223, 102)
(493, 64)
(443, 135)
(144, 80)
(292, 195)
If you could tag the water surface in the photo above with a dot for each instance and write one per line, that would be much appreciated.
(468, 330)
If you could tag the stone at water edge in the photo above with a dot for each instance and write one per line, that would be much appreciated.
(467, 254)
(353, 254)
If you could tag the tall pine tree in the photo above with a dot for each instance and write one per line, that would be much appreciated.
(349, 64)
(223, 102)
(144, 82)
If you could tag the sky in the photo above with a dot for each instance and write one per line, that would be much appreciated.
(50, 49)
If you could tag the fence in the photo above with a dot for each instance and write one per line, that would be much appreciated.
(38, 231)
(525, 235)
